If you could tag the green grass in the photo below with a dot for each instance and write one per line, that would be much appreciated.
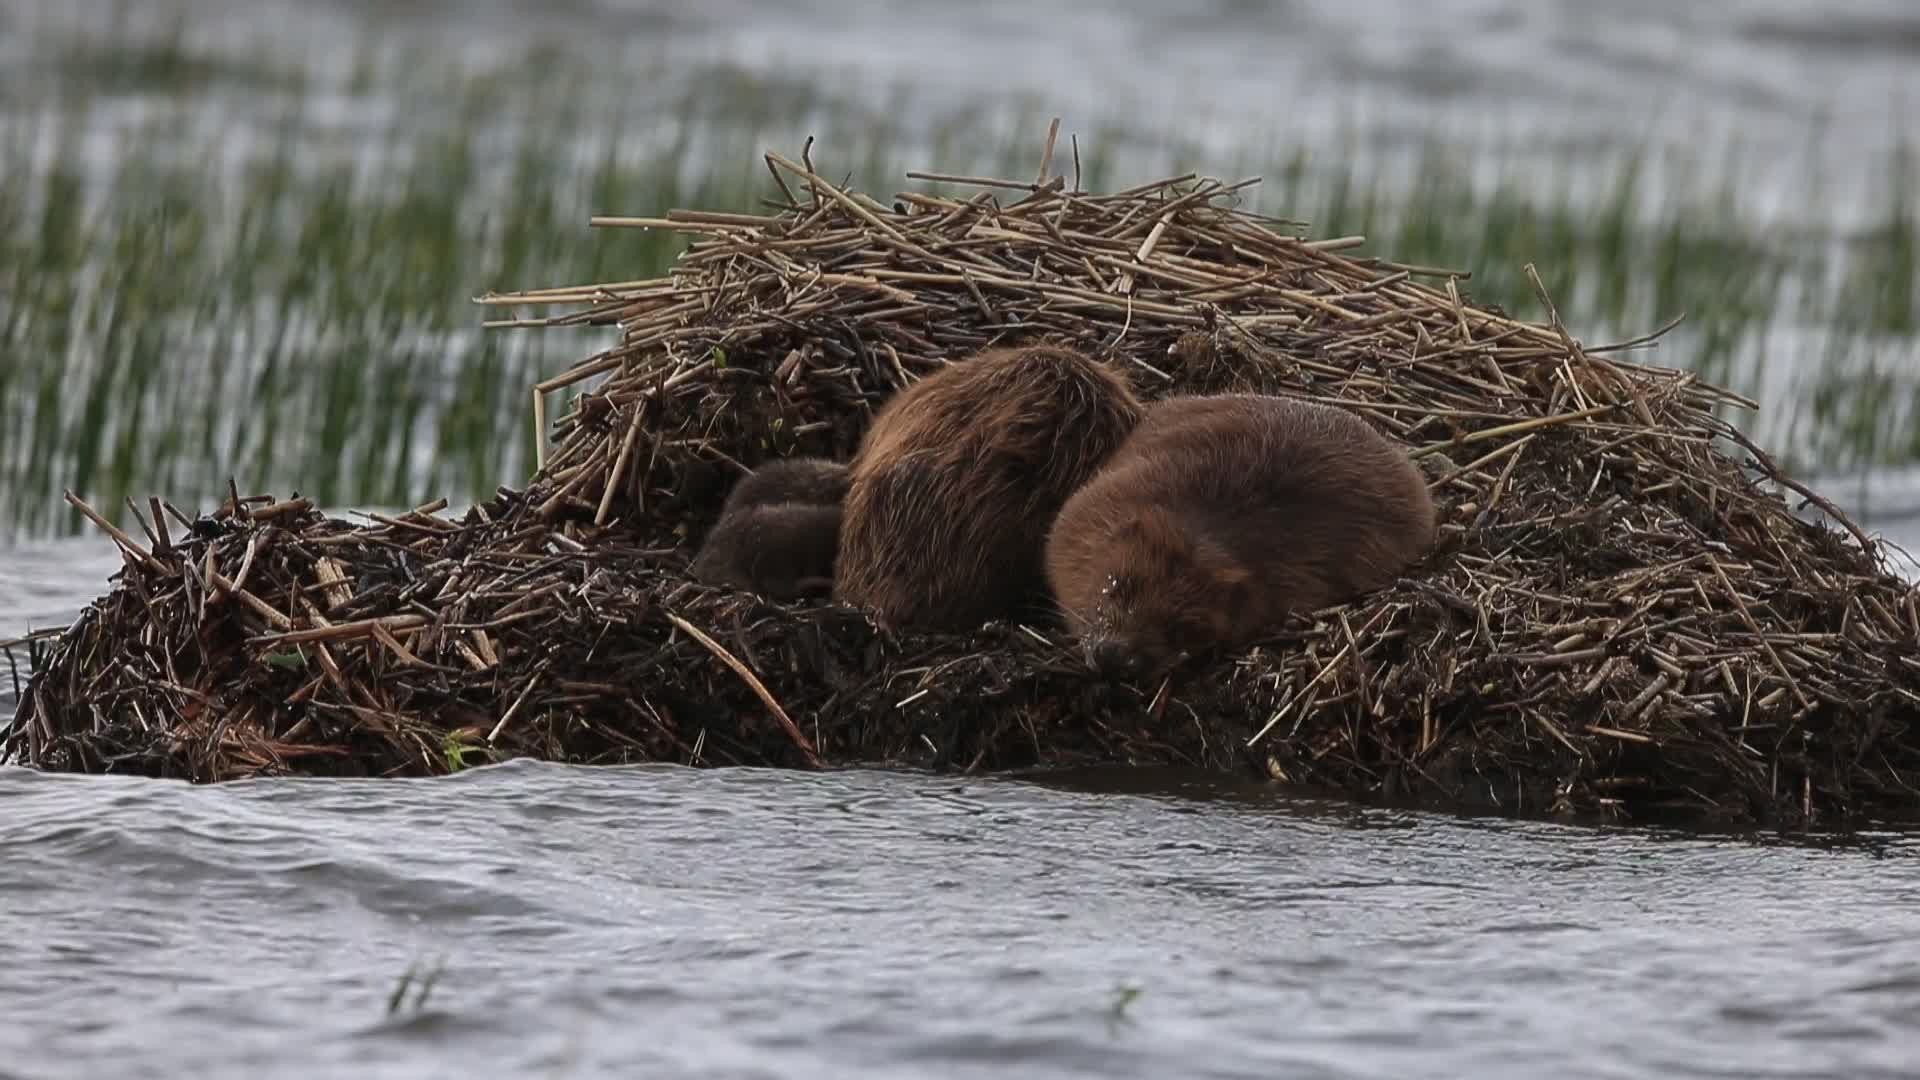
(178, 304)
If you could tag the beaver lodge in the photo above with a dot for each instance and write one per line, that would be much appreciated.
(1624, 617)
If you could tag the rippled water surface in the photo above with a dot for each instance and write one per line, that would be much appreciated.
(667, 922)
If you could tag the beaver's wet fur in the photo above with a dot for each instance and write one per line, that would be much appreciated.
(1220, 517)
(959, 477)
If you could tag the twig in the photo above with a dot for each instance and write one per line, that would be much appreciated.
(753, 682)
(533, 680)
(127, 543)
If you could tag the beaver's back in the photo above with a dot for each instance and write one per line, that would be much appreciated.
(816, 481)
(1309, 491)
(959, 477)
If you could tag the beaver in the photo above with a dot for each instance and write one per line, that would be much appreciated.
(782, 550)
(959, 477)
(1222, 515)
(778, 531)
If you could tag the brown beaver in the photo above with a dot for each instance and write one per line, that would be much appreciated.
(778, 531)
(959, 477)
(1222, 515)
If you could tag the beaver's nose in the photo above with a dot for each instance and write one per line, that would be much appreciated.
(1113, 660)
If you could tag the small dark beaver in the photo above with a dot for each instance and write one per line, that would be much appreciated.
(778, 531)
(782, 551)
(1222, 515)
(959, 477)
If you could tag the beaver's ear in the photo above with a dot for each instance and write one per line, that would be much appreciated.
(1222, 566)
(1229, 579)
(1160, 527)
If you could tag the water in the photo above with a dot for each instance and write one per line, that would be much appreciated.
(667, 922)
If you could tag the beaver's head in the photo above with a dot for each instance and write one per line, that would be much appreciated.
(1166, 590)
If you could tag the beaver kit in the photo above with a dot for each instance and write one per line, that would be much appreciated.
(1620, 614)
(779, 531)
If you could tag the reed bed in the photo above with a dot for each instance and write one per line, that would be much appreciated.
(1625, 616)
(148, 275)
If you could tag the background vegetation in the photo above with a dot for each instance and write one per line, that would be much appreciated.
(213, 268)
